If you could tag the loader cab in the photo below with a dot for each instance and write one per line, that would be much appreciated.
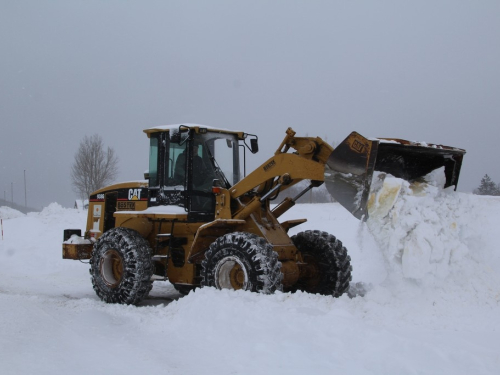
(184, 164)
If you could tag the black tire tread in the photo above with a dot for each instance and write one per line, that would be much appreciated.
(138, 267)
(332, 258)
(264, 267)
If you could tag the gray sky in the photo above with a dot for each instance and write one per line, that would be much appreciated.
(418, 70)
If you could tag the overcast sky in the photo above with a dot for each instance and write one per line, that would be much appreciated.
(417, 70)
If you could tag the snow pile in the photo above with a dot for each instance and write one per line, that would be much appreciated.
(55, 214)
(33, 243)
(54, 210)
(9, 213)
(437, 238)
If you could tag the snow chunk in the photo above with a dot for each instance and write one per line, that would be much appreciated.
(436, 178)
(77, 240)
(162, 210)
(176, 127)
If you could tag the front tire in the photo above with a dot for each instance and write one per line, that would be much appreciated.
(328, 267)
(121, 267)
(242, 261)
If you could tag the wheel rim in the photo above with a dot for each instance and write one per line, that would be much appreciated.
(230, 273)
(111, 268)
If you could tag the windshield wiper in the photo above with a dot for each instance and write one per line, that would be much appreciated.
(217, 169)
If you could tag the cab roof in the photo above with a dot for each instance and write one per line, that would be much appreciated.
(196, 127)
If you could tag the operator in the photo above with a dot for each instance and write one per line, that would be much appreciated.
(202, 173)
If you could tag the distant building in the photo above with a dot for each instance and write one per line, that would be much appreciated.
(82, 205)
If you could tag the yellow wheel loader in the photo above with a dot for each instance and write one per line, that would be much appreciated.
(195, 222)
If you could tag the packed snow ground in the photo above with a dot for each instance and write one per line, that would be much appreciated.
(428, 274)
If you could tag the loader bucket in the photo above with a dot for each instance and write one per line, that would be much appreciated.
(350, 167)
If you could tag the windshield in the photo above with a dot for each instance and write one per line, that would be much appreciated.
(153, 162)
(223, 154)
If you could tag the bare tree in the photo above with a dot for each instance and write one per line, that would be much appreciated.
(93, 167)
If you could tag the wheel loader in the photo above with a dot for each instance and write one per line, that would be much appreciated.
(195, 222)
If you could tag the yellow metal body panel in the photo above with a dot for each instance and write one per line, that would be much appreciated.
(223, 205)
(297, 167)
(122, 185)
(150, 214)
(77, 251)
(124, 196)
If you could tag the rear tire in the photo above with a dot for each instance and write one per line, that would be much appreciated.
(242, 261)
(121, 267)
(329, 266)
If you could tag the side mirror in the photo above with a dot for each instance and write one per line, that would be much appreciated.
(254, 145)
(146, 175)
(175, 137)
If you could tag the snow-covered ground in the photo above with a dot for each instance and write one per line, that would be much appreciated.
(430, 274)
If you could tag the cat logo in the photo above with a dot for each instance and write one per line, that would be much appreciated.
(134, 194)
(358, 146)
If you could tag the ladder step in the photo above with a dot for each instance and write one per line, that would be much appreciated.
(158, 278)
(159, 257)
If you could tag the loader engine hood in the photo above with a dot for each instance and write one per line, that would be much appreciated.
(350, 167)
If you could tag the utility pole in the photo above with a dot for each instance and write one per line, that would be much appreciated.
(25, 200)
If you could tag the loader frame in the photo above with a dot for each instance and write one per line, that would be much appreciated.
(181, 218)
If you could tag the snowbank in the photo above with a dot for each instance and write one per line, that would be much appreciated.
(55, 209)
(432, 306)
(9, 213)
